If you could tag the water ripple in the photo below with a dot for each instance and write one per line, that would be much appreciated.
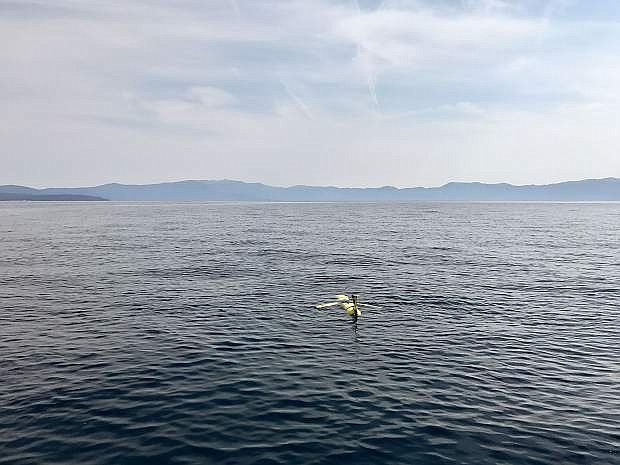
(185, 334)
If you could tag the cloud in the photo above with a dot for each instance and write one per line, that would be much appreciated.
(212, 97)
(299, 103)
(423, 38)
(289, 92)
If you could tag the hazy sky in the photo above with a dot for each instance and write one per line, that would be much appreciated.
(309, 91)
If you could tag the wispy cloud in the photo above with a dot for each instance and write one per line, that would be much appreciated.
(299, 103)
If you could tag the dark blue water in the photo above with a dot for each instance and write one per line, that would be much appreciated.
(186, 334)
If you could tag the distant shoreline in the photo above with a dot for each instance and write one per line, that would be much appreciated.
(587, 190)
(7, 197)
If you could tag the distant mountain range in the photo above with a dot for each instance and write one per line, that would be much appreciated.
(607, 189)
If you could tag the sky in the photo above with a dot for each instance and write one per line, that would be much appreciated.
(318, 92)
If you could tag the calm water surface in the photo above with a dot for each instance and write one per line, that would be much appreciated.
(185, 334)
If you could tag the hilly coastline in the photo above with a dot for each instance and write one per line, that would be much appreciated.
(607, 189)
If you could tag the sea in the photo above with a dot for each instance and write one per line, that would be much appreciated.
(187, 333)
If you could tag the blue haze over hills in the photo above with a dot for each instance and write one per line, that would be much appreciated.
(607, 189)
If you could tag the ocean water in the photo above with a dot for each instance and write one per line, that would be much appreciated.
(185, 333)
